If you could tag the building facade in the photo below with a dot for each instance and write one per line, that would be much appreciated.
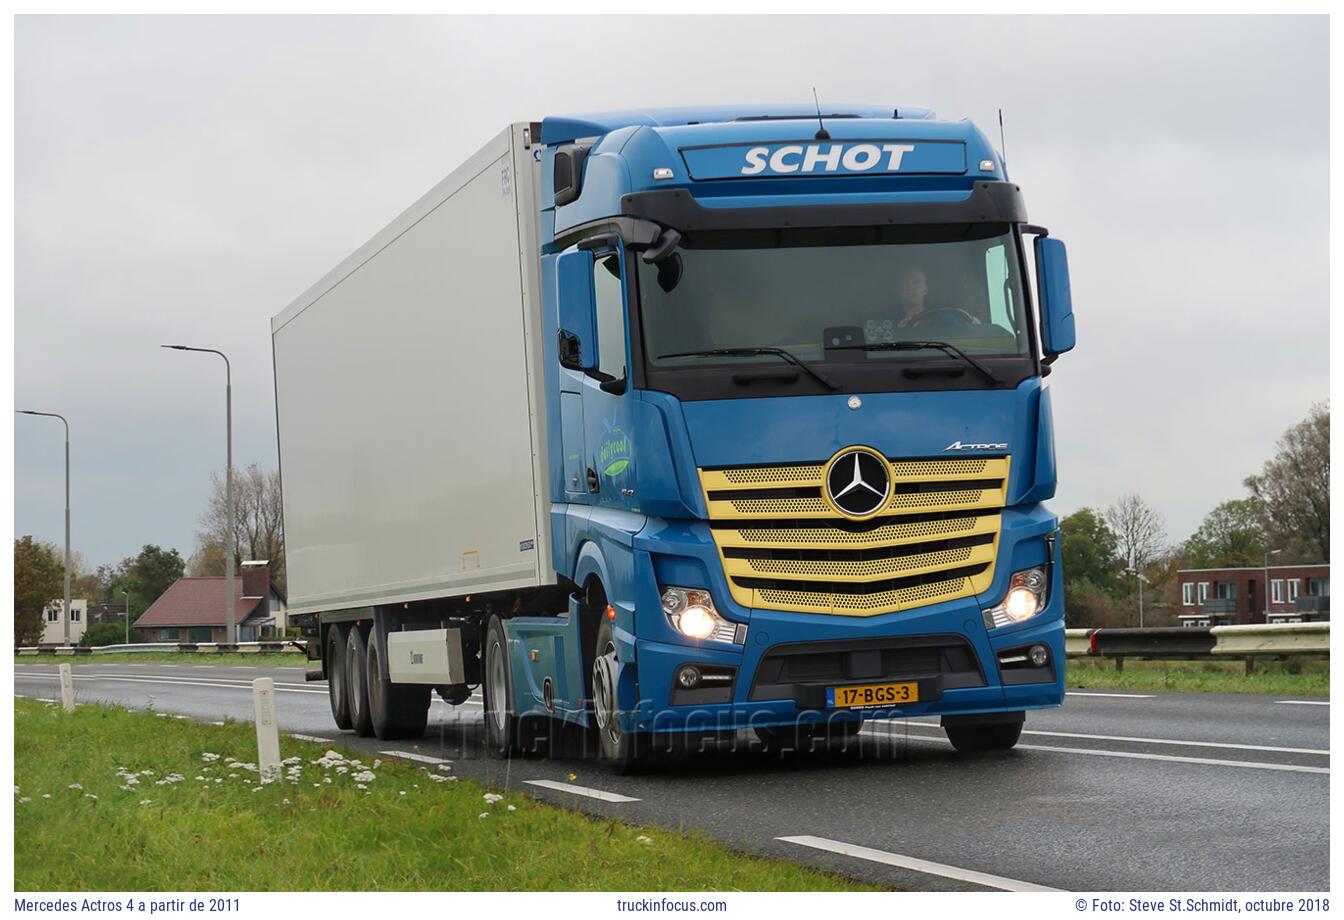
(1215, 597)
(196, 609)
(53, 628)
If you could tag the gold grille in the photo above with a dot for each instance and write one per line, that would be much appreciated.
(766, 533)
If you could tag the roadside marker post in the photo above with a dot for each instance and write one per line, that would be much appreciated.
(268, 732)
(67, 689)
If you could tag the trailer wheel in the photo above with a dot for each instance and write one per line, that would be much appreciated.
(624, 752)
(396, 710)
(337, 694)
(995, 736)
(357, 682)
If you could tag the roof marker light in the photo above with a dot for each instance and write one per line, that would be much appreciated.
(662, 172)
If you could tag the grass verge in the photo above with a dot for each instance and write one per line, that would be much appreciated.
(1302, 678)
(112, 800)
(261, 659)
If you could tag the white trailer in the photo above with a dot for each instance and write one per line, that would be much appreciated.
(411, 419)
(409, 401)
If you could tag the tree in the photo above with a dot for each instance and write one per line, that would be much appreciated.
(1293, 488)
(39, 577)
(1089, 551)
(1230, 535)
(150, 574)
(258, 524)
(1140, 532)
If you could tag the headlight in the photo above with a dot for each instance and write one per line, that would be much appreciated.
(1025, 598)
(691, 613)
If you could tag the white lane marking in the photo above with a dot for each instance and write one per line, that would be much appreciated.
(172, 678)
(916, 865)
(1178, 743)
(319, 739)
(1119, 696)
(182, 682)
(1135, 755)
(580, 790)
(1303, 702)
(418, 758)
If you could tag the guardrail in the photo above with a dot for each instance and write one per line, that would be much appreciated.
(282, 646)
(1279, 640)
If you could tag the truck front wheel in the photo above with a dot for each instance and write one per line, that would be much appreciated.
(626, 752)
(337, 694)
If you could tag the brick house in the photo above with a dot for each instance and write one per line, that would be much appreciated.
(1215, 597)
(195, 609)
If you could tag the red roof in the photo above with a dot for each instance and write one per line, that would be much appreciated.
(201, 602)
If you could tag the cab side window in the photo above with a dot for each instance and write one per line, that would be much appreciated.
(610, 297)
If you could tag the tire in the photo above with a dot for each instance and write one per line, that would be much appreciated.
(806, 737)
(357, 682)
(623, 752)
(337, 694)
(501, 713)
(396, 710)
(994, 736)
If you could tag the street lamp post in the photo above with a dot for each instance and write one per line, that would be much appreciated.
(128, 616)
(1265, 592)
(230, 628)
(65, 610)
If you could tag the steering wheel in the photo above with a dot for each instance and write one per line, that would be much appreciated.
(962, 317)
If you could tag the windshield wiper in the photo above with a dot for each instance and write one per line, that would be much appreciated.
(757, 350)
(921, 345)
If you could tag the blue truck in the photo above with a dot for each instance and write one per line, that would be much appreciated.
(680, 424)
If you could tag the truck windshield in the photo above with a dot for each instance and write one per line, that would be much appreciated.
(823, 295)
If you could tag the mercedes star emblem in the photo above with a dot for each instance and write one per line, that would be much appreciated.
(858, 482)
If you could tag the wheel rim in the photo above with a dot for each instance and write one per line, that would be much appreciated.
(336, 679)
(604, 694)
(375, 685)
(352, 675)
(495, 677)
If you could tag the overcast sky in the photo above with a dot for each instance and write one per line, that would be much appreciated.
(183, 179)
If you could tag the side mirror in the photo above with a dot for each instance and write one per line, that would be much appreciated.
(577, 302)
(1052, 282)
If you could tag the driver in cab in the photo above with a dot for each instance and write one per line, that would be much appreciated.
(912, 291)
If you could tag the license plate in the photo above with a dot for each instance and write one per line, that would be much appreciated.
(872, 695)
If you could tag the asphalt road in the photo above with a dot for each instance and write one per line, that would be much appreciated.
(1115, 791)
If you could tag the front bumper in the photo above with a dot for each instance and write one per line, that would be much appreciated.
(945, 648)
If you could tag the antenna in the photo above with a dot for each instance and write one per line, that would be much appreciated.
(1003, 145)
(822, 134)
